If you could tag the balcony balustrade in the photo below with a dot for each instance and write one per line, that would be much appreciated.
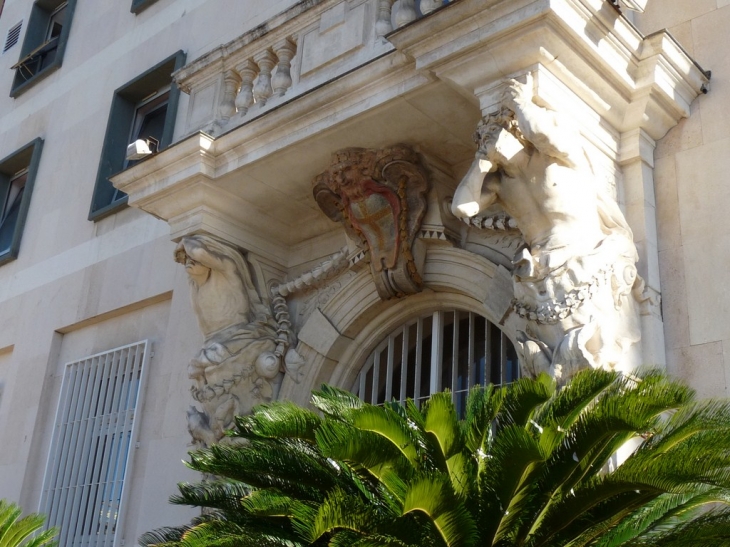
(308, 45)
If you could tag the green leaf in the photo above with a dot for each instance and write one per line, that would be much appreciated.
(335, 403)
(433, 496)
(441, 422)
(23, 532)
(277, 421)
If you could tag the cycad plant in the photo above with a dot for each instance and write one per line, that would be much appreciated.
(23, 532)
(528, 465)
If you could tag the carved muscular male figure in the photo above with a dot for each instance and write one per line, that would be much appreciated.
(579, 247)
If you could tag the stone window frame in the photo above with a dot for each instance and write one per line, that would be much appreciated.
(122, 116)
(36, 43)
(140, 5)
(26, 158)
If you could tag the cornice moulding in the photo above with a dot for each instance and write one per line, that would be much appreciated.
(625, 83)
(596, 52)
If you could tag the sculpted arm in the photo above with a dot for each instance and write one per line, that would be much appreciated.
(543, 128)
(475, 193)
(194, 248)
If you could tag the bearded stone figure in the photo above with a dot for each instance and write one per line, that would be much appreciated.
(237, 367)
(575, 280)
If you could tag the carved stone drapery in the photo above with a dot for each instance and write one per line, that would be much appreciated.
(379, 197)
(241, 363)
(575, 280)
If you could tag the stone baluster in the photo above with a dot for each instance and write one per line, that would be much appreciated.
(285, 51)
(248, 71)
(231, 81)
(383, 25)
(262, 90)
(427, 6)
(406, 12)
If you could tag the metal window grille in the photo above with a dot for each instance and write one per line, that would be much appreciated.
(83, 492)
(12, 37)
(445, 350)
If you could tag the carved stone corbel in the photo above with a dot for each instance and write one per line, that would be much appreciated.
(244, 355)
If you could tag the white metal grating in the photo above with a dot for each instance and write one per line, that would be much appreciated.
(13, 36)
(445, 350)
(83, 487)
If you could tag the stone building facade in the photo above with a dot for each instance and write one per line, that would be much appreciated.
(207, 204)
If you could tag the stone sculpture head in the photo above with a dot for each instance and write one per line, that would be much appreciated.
(199, 273)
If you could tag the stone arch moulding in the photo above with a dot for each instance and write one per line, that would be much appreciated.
(336, 339)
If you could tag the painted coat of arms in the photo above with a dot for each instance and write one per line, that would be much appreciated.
(379, 196)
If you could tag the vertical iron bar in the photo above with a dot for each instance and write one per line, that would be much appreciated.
(436, 351)
(404, 364)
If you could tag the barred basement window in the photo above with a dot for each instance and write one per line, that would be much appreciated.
(95, 427)
(445, 350)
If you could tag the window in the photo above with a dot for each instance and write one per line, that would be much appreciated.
(95, 428)
(445, 350)
(144, 109)
(139, 5)
(17, 175)
(44, 44)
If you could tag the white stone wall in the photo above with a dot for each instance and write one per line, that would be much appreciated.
(692, 194)
(80, 287)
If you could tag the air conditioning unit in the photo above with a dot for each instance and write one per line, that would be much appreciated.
(142, 148)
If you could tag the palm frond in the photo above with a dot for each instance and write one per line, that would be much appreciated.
(339, 511)
(23, 532)
(521, 398)
(334, 402)
(711, 529)
(568, 403)
(442, 422)
(366, 449)
(169, 536)
(656, 514)
(278, 420)
(389, 425)
(433, 496)
(289, 465)
(220, 494)
(482, 406)
(506, 478)
(526, 467)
